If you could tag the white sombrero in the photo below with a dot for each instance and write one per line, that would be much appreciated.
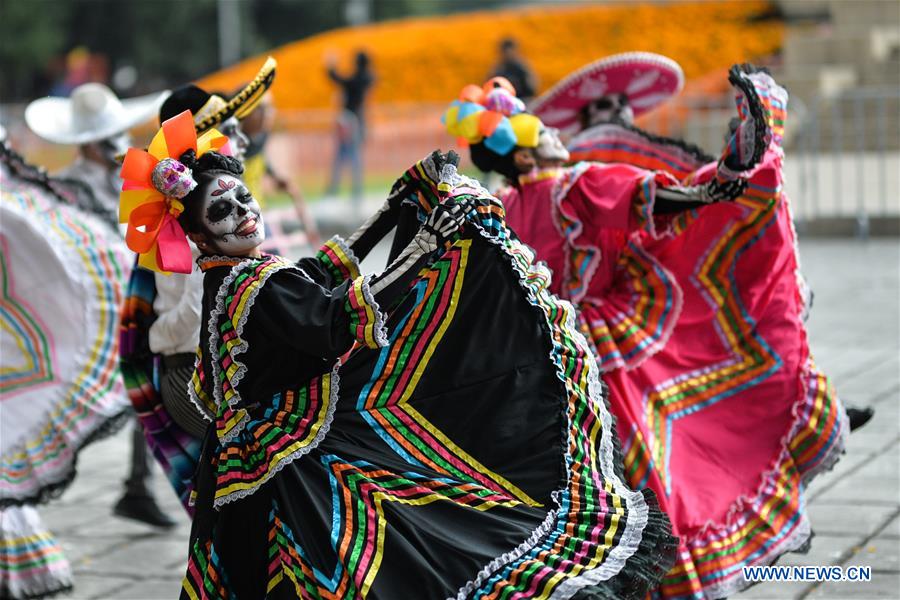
(647, 79)
(92, 113)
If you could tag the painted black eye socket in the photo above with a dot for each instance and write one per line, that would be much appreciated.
(244, 196)
(219, 211)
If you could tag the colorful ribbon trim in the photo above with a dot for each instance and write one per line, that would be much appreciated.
(367, 322)
(339, 260)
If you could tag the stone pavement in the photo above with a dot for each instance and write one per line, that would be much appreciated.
(854, 331)
(855, 336)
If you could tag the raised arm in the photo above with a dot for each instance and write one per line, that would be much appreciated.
(677, 198)
(302, 310)
(441, 227)
(335, 76)
(423, 177)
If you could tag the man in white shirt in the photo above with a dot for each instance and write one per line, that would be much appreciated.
(174, 335)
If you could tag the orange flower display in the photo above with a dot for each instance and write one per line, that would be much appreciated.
(430, 59)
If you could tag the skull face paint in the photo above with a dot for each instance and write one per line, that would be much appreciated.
(606, 109)
(231, 216)
(231, 128)
(550, 148)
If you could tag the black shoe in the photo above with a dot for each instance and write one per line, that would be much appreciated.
(859, 416)
(143, 509)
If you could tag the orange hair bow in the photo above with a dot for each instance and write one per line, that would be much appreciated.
(154, 183)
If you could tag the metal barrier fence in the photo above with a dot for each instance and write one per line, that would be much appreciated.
(842, 152)
(846, 162)
(842, 156)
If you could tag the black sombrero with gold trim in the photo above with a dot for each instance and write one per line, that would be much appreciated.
(210, 110)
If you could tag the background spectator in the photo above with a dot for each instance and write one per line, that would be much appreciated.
(351, 123)
(514, 68)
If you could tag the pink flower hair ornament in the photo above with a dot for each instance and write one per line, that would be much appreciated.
(155, 181)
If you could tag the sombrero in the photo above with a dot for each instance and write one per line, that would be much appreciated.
(211, 109)
(647, 80)
(92, 113)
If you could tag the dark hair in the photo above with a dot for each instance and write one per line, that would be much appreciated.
(188, 97)
(508, 44)
(487, 160)
(203, 169)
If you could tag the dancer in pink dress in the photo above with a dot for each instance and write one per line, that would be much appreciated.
(689, 289)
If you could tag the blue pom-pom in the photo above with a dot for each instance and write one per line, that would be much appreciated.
(468, 108)
(503, 139)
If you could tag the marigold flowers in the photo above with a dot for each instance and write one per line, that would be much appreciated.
(428, 60)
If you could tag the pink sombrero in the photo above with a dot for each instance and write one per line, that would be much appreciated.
(647, 79)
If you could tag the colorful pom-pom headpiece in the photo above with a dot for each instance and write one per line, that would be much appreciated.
(155, 181)
(492, 114)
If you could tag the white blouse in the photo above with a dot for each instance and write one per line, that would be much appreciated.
(178, 303)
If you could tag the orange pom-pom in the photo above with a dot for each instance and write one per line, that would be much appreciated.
(472, 93)
(488, 121)
(495, 82)
(462, 142)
